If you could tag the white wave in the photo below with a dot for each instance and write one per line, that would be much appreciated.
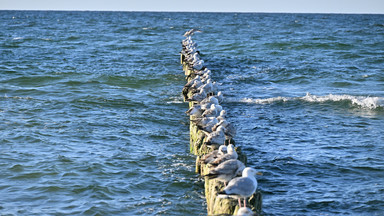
(362, 101)
(266, 100)
(16, 97)
(175, 100)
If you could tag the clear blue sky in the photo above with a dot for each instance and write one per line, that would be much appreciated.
(300, 6)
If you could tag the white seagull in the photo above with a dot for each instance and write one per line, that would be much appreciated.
(216, 137)
(213, 154)
(242, 187)
(245, 211)
(198, 65)
(227, 170)
(198, 96)
(231, 154)
(191, 32)
(213, 111)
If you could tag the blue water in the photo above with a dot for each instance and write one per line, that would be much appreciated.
(93, 123)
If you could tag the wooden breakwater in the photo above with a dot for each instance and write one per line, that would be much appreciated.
(216, 205)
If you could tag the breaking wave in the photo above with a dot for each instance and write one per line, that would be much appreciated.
(361, 101)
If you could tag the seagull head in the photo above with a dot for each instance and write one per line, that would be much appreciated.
(231, 148)
(213, 100)
(223, 149)
(249, 171)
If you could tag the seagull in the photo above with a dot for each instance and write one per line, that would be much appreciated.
(187, 40)
(221, 117)
(209, 99)
(214, 154)
(220, 97)
(230, 132)
(226, 171)
(198, 96)
(195, 87)
(213, 111)
(198, 65)
(229, 129)
(215, 88)
(223, 123)
(205, 77)
(208, 86)
(191, 32)
(195, 110)
(187, 88)
(187, 43)
(198, 109)
(192, 81)
(191, 49)
(194, 58)
(202, 121)
(209, 125)
(216, 137)
(205, 72)
(231, 154)
(242, 187)
(245, 211)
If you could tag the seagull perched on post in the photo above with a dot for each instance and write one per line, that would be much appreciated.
(231, 154)
(213, 155)
(226, 171)
(242, 187)
(191, 32)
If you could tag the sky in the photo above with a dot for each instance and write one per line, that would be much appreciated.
(289, 6)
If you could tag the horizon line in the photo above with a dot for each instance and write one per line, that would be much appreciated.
(157, 11)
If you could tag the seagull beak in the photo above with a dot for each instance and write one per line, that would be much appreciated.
(259, 173)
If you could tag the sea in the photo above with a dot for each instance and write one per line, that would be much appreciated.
(92, 119)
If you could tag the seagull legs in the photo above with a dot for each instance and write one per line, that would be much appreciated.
(239, 203)
(245, 203)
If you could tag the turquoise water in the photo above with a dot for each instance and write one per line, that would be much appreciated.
(93, 123)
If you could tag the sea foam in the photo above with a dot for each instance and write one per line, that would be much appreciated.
(362, 101)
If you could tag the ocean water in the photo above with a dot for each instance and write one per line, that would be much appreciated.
(93, 123)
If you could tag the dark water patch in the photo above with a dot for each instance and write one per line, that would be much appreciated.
(35, 81)
(342, 84)
(28, 176)
(16, 168)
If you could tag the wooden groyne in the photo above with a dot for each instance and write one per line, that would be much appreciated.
(216, 205)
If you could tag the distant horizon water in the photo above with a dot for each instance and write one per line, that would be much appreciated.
(176, 11)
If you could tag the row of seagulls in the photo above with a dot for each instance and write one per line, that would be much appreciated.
(210, 118)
